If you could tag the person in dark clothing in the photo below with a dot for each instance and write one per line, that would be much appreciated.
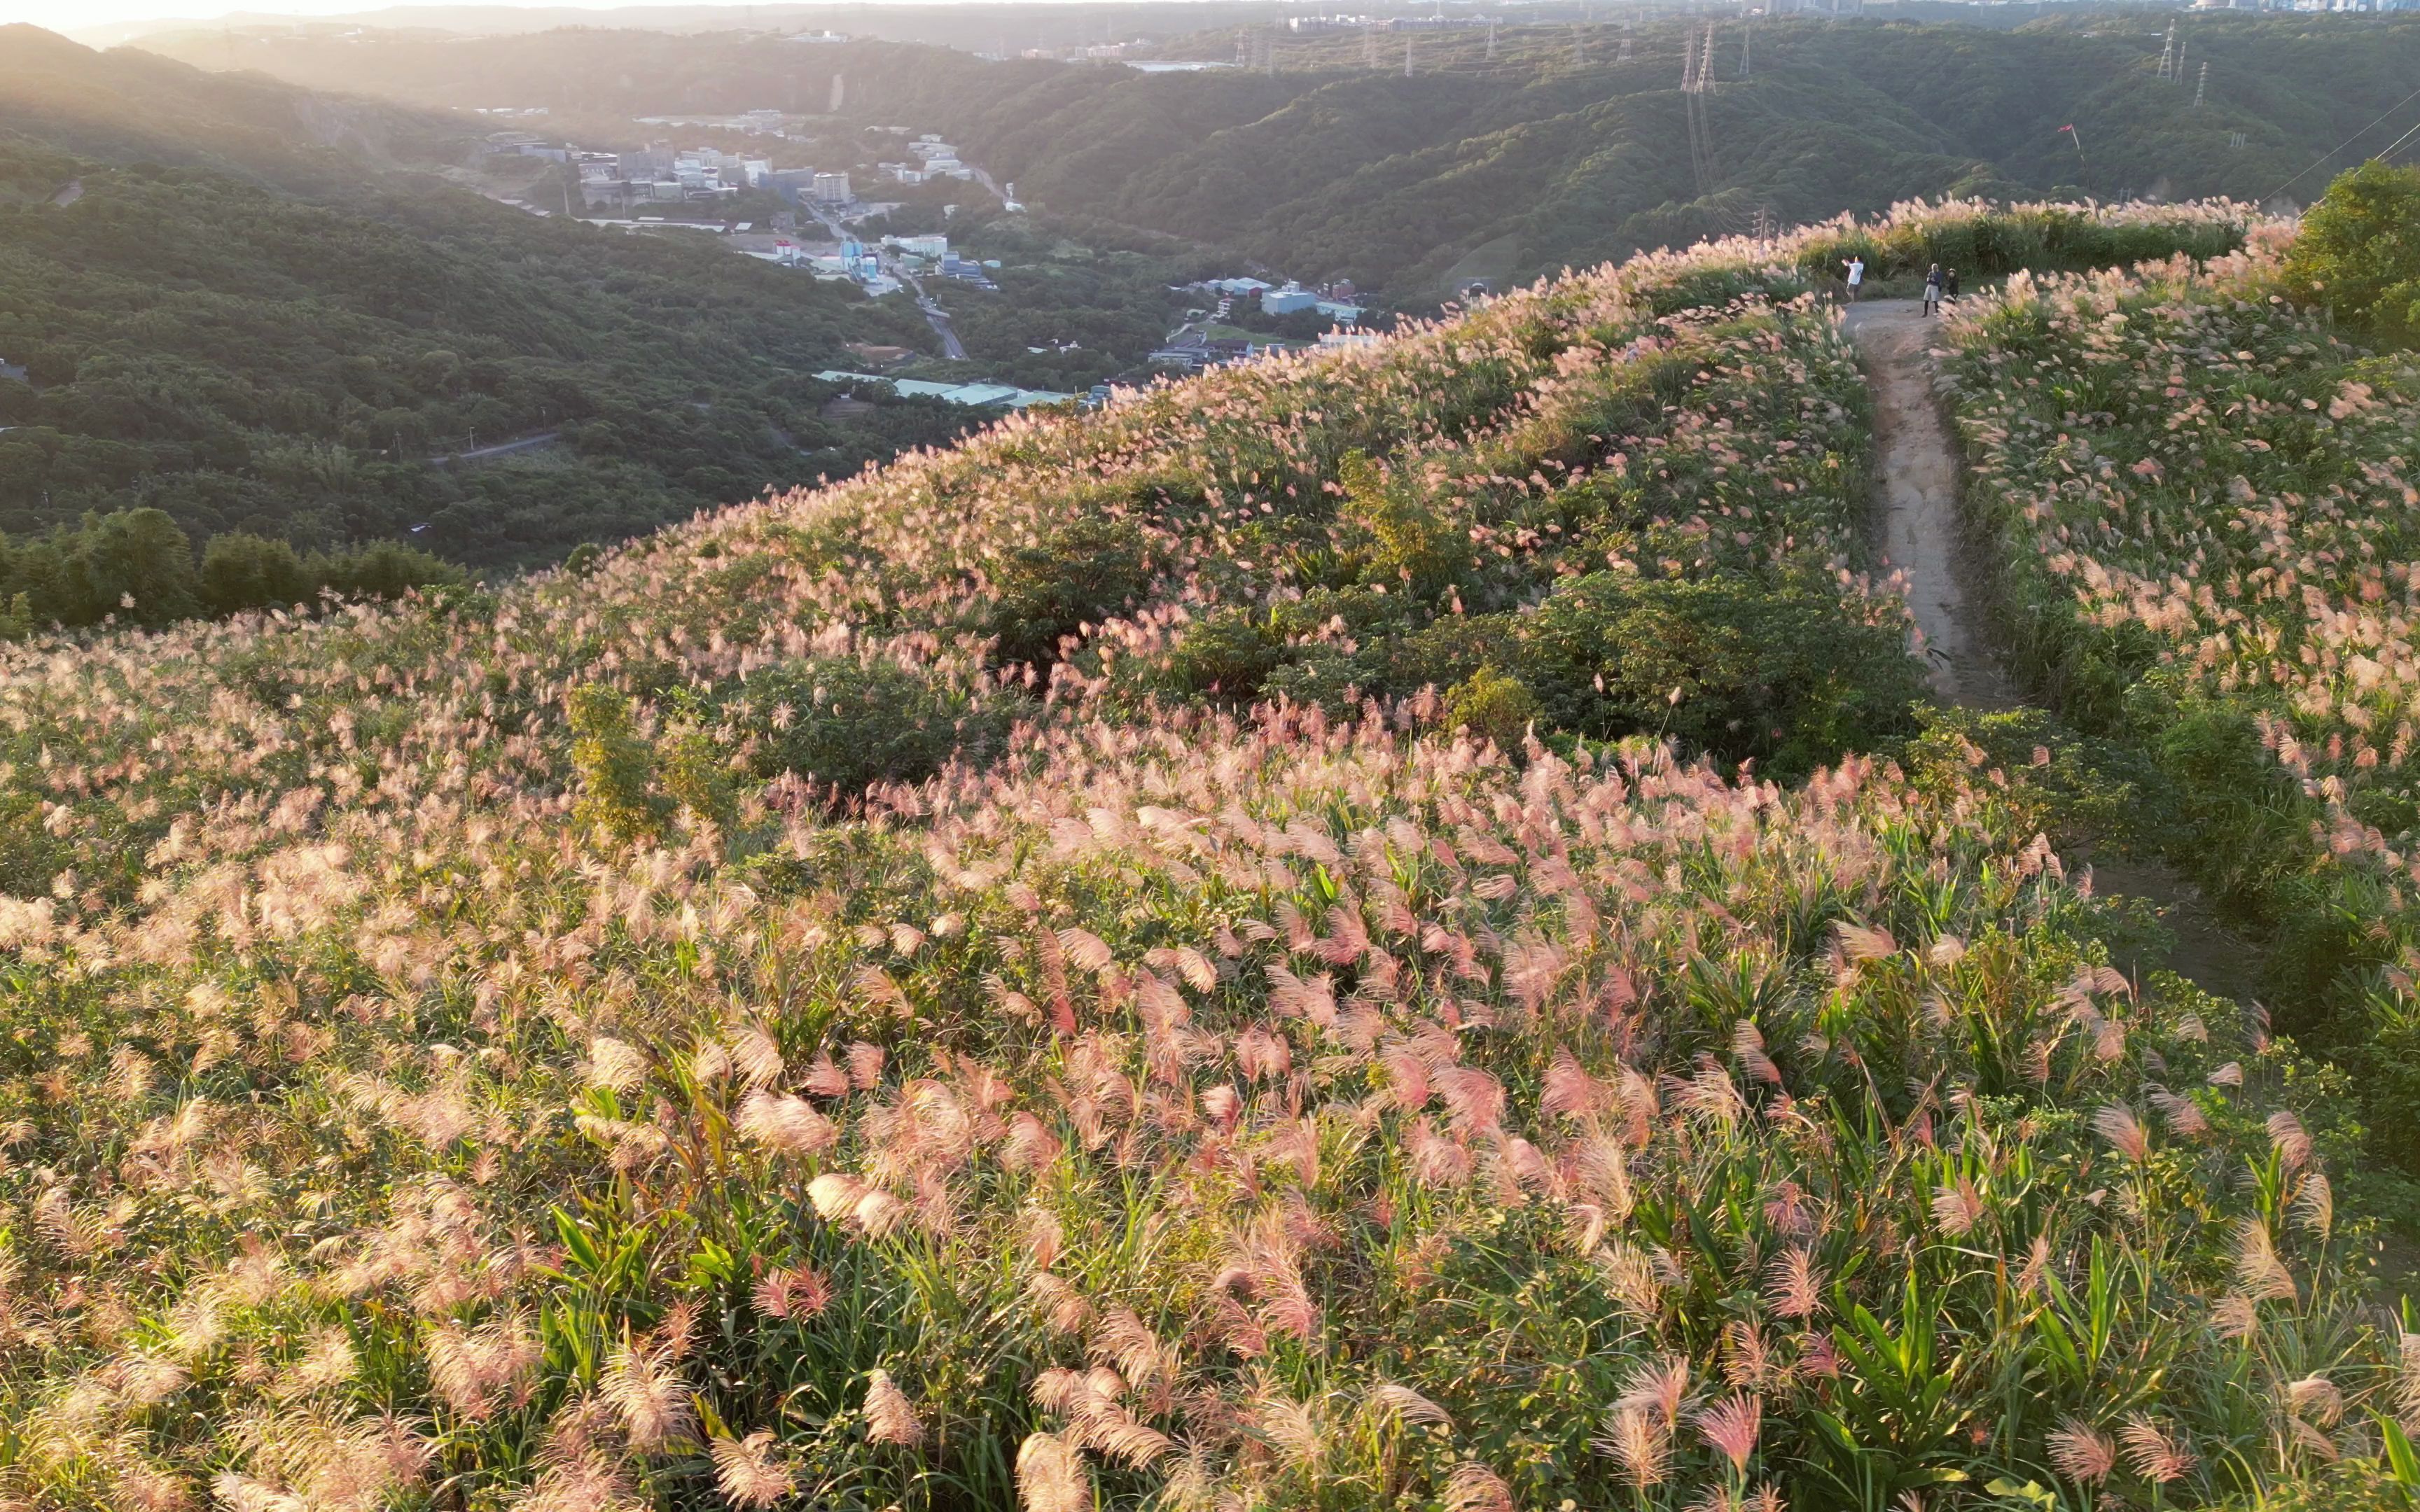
(1950, 284)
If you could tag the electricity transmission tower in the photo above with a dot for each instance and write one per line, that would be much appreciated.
(1697, 80)
(2201, 87)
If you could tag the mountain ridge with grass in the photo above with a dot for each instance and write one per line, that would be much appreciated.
(1316, 937)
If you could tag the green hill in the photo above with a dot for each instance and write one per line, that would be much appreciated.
(229, 301)
(1382, 929)
(1330, 166)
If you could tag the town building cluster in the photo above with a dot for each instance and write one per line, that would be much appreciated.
(1313, 26)
(1335, 300)
(878, 268)
(929, 158)
(974, 396)
(659, 175)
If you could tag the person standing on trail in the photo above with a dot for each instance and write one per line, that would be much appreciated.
(1856, 275)
(1950, 284)
(1932, 290)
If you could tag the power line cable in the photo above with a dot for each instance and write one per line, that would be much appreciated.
(2392, 148)
(2341, 146)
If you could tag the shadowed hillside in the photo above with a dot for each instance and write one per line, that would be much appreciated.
(1330, 166)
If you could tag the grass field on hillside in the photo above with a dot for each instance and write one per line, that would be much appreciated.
(1328, 937)
(2200, 492)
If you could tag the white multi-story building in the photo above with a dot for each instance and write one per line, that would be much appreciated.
(832, 188)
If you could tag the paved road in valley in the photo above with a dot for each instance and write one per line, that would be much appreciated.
(511, 448)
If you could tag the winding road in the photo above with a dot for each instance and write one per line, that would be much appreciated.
(512, 448)
(938, 318)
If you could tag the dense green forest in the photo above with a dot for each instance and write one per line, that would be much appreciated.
(210, 312)
(1555, 146)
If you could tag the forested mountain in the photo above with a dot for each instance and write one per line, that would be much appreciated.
(224, 304)
(1544, 148)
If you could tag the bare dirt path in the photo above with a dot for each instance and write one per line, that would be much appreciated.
(1918, 504)
(1917, 525)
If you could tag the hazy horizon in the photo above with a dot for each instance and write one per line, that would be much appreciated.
(96, 20)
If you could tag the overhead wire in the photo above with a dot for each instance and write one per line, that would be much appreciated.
(2341, 146)
(2392, 148)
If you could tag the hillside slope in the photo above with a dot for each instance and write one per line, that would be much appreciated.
(1544, 143)
(949, 991)
(2200, 506)
(241, 317)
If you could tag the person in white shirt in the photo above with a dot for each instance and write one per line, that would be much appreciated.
(1856, 276)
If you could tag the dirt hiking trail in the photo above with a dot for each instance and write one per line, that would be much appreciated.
(1920, 528)
(1917, 504)
(1917, 525)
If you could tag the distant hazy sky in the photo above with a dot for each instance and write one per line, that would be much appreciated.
(74, 16)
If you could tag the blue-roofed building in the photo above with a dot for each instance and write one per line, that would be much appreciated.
(975, 395)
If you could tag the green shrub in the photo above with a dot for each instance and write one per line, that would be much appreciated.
(1490, 705)
(134, 563)
(1227, 655)
(1084, 571)
(615, 766)
(2359, 249)
(1778, 674)
(240, 571)
(382, 569)
(2079, 789)
(1410, 544)
(850, 724)
(697, 774)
